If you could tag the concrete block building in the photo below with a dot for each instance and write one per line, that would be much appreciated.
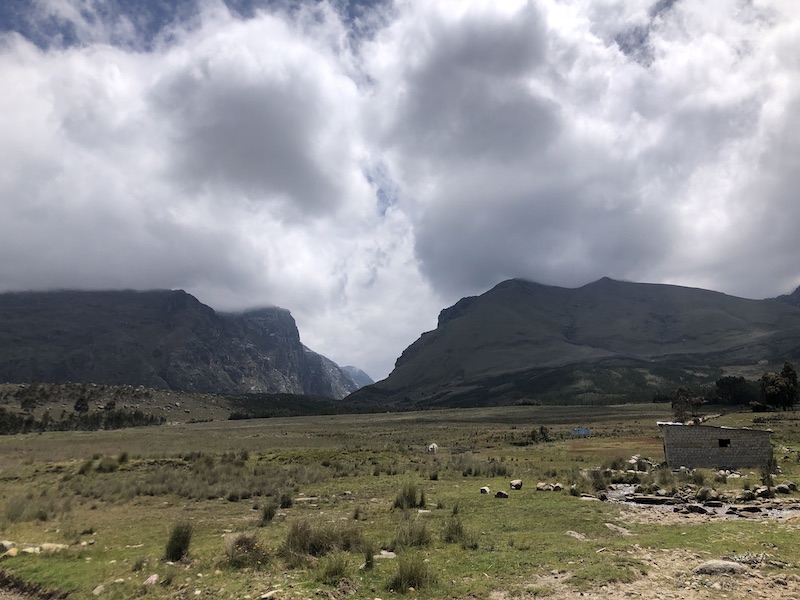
(702, 446)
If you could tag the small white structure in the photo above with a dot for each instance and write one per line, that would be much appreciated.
(431, 449)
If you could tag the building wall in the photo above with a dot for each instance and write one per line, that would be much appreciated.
(694, 446)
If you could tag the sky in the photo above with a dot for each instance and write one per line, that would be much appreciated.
(365, 164)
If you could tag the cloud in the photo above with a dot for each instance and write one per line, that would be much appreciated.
(365, 164)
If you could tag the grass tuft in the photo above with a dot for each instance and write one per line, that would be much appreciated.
(179, 540)
(412, 572)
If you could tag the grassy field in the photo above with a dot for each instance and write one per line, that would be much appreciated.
(302, 505)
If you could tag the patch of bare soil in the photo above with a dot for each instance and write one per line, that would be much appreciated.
(670, 573)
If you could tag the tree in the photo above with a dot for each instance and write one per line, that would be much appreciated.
(779, 390)
(736, 390)
(684, 402)
(81, 405)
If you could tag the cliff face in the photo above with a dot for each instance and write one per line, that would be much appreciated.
(159, 339)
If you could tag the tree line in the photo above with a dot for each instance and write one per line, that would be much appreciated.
(11, 422)
(773, 391)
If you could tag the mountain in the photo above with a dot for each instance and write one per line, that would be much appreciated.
(607, 341)
(359, 376)
(159, 339)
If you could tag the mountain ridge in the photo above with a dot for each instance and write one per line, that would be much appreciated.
(163, 339)
(525, 341)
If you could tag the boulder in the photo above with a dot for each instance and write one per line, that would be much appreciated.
(544, 487)
(10, 553)
(558, 487)
(782, 488)
(485, 489)
(501, 494)
(720, 567)
(5, 545)
(516, 484)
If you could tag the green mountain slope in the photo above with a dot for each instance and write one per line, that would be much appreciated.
(604, 342)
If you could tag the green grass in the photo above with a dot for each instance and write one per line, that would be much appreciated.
(118, 522)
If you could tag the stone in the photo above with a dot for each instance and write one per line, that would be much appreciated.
(485, 489)
(696, 509)
(270, 594)
(516, 484)
(544, 487)
(558, 487)
(620, 530)
(32, 550)
(49, 547)
(576, 535)
(501, 494)
(5, 545)
(98, 590)
(782, 488)
(720, 567)
(152, 580)
(11, 552)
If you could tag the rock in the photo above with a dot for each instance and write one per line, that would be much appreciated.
(11, 552)
(713, 503)
(270, 594)
(485, 489)
(720, 567)
(385, 554)
(152, 580)
(544, 487)
(782, 488)
(746, 496)
(32, 550)
(792, 485)
(764, 492)
(516, 484)
(5, 545)
(98, 590)
(696, 509)
(558, 487)
(620, 530)
(48, 547)
(654, 500)
(576, 535)
(501, 494)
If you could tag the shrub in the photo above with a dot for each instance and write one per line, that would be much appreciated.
(412, 533)
(453, 531)
(407, 497)
(179, 540)
(268, 513)
(244, 550)
(286, 500)
(303, 538)
(412, 572)
(333, 569)
(369, 555)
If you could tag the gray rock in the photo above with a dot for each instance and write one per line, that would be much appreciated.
(720, 567)
(485, 489)
(516, 484)
(501, 494)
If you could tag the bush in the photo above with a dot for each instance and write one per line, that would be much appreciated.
(303, 538)
(453, 531)
(333, 569)
(412, 572)
(407, 497)
(286, 500)
(179, 540)
(268, 513)
(244, 550)
(412, 533)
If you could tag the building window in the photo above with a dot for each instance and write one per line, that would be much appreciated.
(724, 443)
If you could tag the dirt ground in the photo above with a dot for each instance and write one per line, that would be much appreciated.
(670, 573)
